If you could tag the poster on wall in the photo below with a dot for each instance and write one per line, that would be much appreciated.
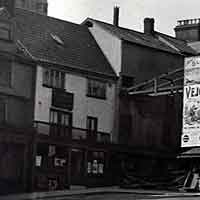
(191, 103)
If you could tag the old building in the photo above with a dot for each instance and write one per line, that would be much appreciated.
(137, 57)
(62, 91)
(75, 91)
(145, 63)
(39, 6)
(17, 106)
(189, 31)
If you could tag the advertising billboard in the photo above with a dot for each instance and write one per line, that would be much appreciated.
(191, 103)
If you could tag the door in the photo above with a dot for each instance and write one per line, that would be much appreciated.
(11, 168)
(77, 167)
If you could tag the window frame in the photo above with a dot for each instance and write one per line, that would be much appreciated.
(51, 80)
(91, 119)
(42, 7)
(61, 113)
(6, 26)
(9, 64)
(91, 88)
(4, 106)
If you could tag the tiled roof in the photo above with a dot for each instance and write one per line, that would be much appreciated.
(195, 45)
(182, 45)
(152, 41)
(79, 50)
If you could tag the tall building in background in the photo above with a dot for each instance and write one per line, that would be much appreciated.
(39, 6)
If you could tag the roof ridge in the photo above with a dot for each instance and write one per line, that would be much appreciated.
(151, 39)
(128, 29)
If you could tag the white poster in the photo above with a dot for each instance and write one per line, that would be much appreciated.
(191, 103)
(38, 161)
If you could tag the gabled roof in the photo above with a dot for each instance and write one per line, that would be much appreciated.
(39, 36)
(155, 41)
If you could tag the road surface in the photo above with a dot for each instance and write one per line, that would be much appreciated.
(116, 196)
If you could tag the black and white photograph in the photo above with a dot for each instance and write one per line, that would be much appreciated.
(99, 99)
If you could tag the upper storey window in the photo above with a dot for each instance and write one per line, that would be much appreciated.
(5, 30)
(53, 78)
(20, 3)
(42, 7)
(96, 89)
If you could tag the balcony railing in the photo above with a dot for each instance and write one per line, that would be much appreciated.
(71, 133)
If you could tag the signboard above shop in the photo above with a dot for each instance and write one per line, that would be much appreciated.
(191, 103)
(62, 99)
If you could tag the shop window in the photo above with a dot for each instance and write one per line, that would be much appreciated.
(50, 162)
(96, 89)
(96, 163)
(53, 78)
(50, 156)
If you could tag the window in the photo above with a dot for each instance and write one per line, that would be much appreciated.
(20, 3)
(5, 74)
(54, 78)
(96, 163)
(61, 123)
(57, 39)
(2, 111)
(60, 118)
(92, 124)
(5, 30)
(42, 8)
(96, 89)
(127, 81)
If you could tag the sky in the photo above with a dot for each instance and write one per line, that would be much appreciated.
(132, 12)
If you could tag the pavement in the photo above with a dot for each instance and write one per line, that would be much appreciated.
(95, 191)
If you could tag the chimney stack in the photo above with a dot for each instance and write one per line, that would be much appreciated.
(116, 16)
(9, 5)
(149, 26)
(188, 29)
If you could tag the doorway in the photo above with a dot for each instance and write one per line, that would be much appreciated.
(77, 167)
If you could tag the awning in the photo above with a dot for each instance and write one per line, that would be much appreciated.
(191, 153)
